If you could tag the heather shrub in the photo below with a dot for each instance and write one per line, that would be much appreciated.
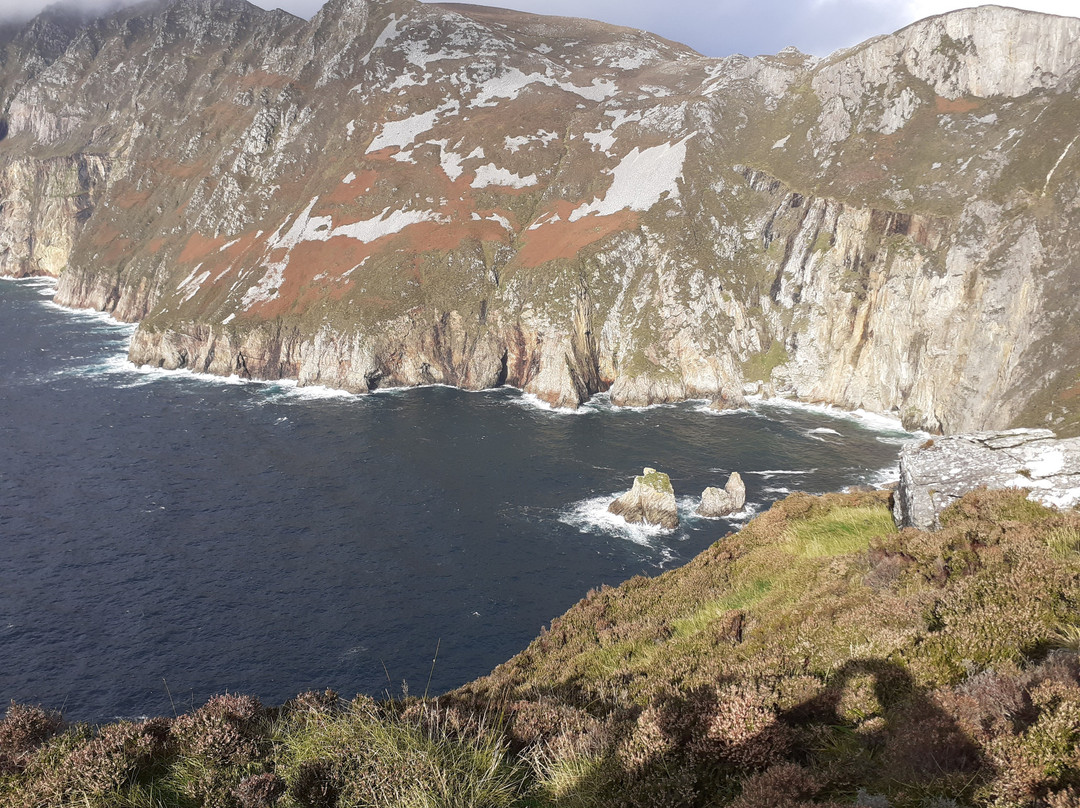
(95, 768)
(785, 785)
(22, 731)
(226, 730)
(260, 790)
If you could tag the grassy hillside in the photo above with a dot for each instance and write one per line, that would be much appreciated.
(818, 657)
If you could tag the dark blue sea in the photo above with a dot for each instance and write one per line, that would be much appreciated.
(166, 537)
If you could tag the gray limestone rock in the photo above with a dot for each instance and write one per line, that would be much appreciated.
(651, 501)
(936, 473)
(717, 502)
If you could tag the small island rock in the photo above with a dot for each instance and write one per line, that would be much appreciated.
(716, 502)
(651, 501)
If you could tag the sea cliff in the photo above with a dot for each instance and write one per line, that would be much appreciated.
(398, 193)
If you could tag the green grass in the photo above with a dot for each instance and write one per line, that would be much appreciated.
(376, 758)
(1063, 541)
(742, 598)
(760, 366)
(839, 532)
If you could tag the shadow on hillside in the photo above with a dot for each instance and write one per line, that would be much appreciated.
(868, 726)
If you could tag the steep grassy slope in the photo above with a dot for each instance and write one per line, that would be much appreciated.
(818, 657)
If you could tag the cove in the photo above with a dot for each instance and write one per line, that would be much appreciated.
(166, 537)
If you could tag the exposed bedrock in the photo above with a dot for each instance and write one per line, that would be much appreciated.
(937, 473)
(44, 205)
(718, 502)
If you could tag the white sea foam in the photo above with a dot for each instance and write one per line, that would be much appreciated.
(290, 389)
(534, 402)
(592, 516)
(100, 317)
(139, 375)
(663, 405)
(33, 280)
(879, 422)
(883, 477)
(745, 515)
(703, 406)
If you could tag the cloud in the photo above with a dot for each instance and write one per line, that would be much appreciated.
(17, 10)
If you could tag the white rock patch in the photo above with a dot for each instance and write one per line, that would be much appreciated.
(640, 179)
(495, 217)
(490, 174)
(192, 283)
(510, 84)
(451, 163)
(1048, 464)
(389, 33)
(513, 144)
(387, 223)
(404, 132)
(320, 228)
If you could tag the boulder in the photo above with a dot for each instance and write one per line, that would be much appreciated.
(716, 502)
(936, 473)
(728, 400)
(651, 501)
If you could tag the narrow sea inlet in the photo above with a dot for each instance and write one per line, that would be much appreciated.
(162, 533)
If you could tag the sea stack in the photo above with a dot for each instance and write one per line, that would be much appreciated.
(717, 502)
(651, 501)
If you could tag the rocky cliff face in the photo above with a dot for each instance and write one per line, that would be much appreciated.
(398, 193)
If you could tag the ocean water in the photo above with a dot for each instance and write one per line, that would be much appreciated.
(166, 537)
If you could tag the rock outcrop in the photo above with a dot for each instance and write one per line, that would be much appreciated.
(728, 400)
(938, 472)
(651, 501)
(401, 193)
(718, 502)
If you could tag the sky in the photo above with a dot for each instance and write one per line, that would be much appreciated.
(713, 27)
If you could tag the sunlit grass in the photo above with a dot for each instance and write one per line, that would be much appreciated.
(840, 531)
(1063, 541)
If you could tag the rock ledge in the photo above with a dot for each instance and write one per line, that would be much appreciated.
(936, 473)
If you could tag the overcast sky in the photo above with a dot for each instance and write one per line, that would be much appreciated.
(723, 27)
(714, 27)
